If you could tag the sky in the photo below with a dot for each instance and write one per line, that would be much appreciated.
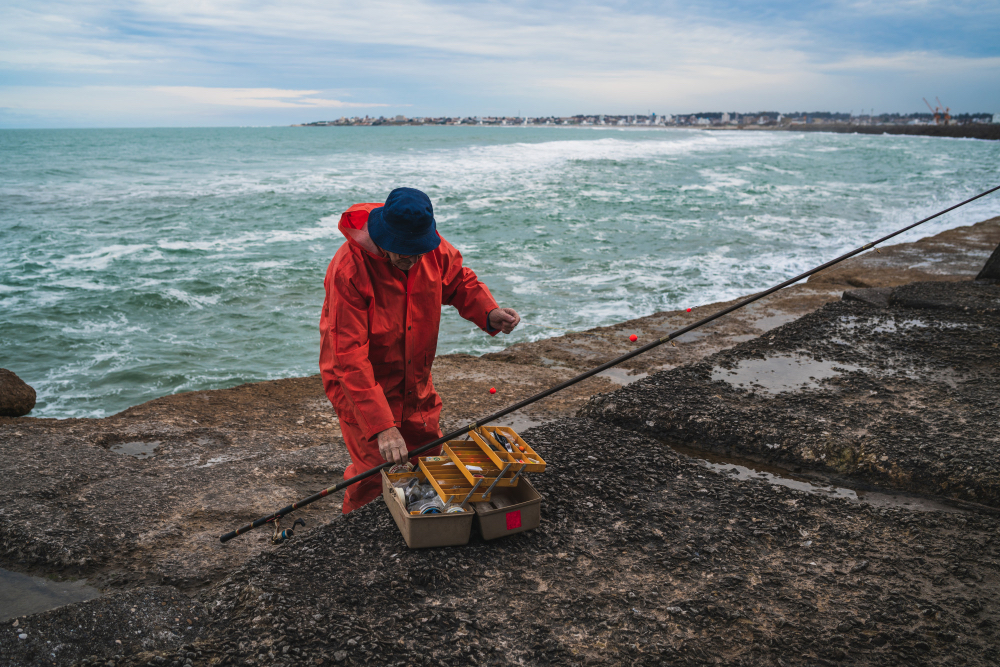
(102, 63)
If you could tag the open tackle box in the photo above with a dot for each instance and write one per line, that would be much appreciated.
(485, 473)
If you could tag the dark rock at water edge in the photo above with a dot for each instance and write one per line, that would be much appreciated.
(16, 397)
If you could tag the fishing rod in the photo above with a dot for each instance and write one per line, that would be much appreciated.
(583, 376)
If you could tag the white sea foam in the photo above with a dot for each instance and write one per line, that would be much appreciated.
(192, 300)
(99, 260)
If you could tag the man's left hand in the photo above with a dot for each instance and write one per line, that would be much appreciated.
(504, 319)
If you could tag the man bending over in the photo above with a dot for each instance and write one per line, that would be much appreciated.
(379, 329)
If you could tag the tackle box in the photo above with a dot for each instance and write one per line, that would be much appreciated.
(521, 510)
(480, 472)
(425, 530)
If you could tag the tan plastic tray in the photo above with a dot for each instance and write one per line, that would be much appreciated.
(425, 530)
(464, 453)
(526, 458)
(450, 482)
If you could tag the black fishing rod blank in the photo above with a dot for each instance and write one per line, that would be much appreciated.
(583, 376)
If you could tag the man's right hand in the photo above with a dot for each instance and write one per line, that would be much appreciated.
(392, 446)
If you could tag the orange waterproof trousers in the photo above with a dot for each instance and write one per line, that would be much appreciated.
(365, 456)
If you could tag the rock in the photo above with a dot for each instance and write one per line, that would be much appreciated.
(991, 270)
(16, 397)
(340, 656)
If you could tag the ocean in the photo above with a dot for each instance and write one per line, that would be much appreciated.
(140, 263)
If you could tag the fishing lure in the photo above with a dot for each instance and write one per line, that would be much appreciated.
(503, 441)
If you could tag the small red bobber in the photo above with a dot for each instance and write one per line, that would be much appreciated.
(689, 310)
(633, 338)
(493, 390)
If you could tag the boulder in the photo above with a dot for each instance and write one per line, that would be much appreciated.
(16, 397)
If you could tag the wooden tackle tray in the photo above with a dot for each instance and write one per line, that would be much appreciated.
(463, 453)
(500, 456)
(449, 482)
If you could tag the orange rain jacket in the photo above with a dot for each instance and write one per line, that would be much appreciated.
(379, 326)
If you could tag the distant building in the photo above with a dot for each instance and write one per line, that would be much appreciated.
(996, 118)
(725, 117)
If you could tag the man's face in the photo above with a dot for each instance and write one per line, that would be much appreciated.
(403, 262)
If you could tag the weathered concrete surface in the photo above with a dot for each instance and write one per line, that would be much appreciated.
(16, 397)
(905, 397)
(956, 254)
(655, 560)
(70, 503)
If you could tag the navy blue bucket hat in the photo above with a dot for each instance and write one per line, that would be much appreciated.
(405, 225)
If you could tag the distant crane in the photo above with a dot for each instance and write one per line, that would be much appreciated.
(947, 111)
(936, 112)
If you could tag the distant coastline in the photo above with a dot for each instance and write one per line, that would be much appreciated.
(967, 126)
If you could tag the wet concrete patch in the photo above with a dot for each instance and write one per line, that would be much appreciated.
(622, 376)
(136, 449)
(812, 482)
(22, 594)
(773, 321)
(781, 373)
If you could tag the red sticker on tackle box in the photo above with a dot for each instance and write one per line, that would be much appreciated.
(513, 519)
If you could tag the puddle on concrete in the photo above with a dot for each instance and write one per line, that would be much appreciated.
(21, 594)
(691, 336)
(621, 376)
(137, 449)
(774, 321)
(781, 373)
(814, 482)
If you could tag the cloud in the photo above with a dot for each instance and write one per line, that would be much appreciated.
(269, 98)
(273, 62)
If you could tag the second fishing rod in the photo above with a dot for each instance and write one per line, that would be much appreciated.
(583, 376)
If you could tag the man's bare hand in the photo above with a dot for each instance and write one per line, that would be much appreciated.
(504, 319)
(391, 446)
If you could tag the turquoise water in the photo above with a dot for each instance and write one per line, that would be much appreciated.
(139, 263)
